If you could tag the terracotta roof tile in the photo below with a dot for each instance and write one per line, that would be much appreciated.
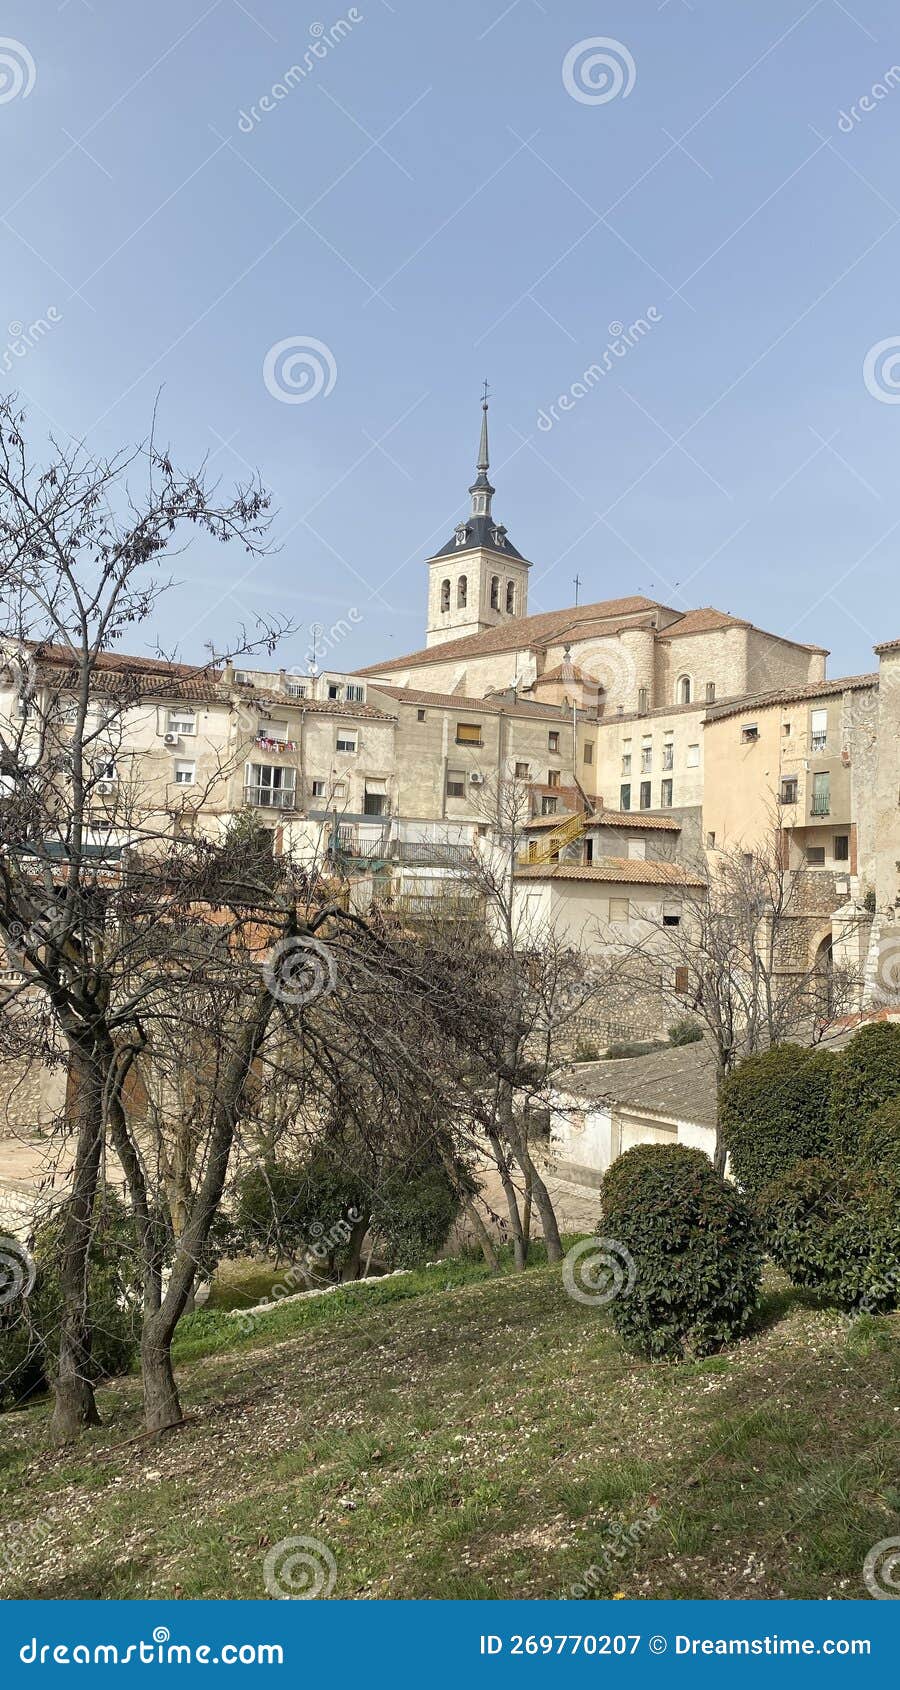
(519, 632)
(457, 701)
(790, 695)
(622, 870)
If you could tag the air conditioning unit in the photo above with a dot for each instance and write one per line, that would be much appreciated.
(475, 779)
(106, 787)
(170, 739)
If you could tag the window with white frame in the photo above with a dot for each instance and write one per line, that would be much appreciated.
(183, 723)
(668, 761)
(354, 693)
(270, 785)
(318, 789)
(692, 759)
(105, 769)
(185, 772)
(346, 741)
(818, 725)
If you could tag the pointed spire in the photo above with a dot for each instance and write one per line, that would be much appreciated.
(484, 462)
(481, 490)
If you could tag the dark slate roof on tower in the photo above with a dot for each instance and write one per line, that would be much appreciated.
(481, 528)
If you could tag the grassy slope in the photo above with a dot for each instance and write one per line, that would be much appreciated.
(461, 1439)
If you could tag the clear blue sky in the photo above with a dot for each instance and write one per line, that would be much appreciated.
(432, 204)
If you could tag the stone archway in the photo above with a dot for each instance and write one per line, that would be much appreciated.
(823, 976)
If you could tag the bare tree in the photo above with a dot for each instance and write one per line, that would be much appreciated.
(80, 557)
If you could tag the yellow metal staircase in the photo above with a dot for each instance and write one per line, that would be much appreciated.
(543, 850)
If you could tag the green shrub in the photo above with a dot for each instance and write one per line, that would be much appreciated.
(879, 1141)
(685, 1032)
(413, 1214)
(774, 1112)
(867, 1074)
(114, 1288)
(695, 1250)
(286, 1208)
(21, 1358)
(836, 1229)
(619, 1050)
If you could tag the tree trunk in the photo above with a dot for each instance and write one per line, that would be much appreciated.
(512, 1203)
(544, 1204)
(481, 1233)
(526, 1212)
(354, 1258)
(74, 1405)
(164, 1405)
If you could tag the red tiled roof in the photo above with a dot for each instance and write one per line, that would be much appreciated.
(520, 632)
(609, 818)
(619, 869)
(457, 701)
(790, 695)
(886, 645)
(708, 620)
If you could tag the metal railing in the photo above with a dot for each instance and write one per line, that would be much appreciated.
(821, 805)
(270, 797)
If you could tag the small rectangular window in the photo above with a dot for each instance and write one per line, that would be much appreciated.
(553, 777)
(619, 909)
(682, 981)
(818, 725)
(183, 723)
(334, 690)
(842, 847)
(643, 701)
(821, 794)
(589, 751)
(553, 740)
(815, 856)
(645, 795)
(318, 789)
(789, 789)
(672, 915)
(710, 692)
(456, 783)
(692, 760)
(523, 771)
(420, 715)
(549, 806)
(646, 759)
(346, 741)
(354, 693)
(749, 733)
(625, 796)
(185, 773)
(668, 761)
(665, 794)
(626, 762)
(710, 842)
(468, 733)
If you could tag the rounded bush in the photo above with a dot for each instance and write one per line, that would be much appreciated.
(694, 1245)
(866, 1075)
(879, 1141)
(836, 1229)
(774, 1112)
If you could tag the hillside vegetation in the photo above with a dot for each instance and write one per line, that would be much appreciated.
(451, 1436)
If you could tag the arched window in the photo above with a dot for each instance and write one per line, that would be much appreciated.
(495, 592)
(683, 690)
(510, 598)
(445, 594)
(462, 592)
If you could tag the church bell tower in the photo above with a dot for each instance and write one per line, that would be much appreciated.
(477, 580)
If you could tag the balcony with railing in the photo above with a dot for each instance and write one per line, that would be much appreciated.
(270, 797)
